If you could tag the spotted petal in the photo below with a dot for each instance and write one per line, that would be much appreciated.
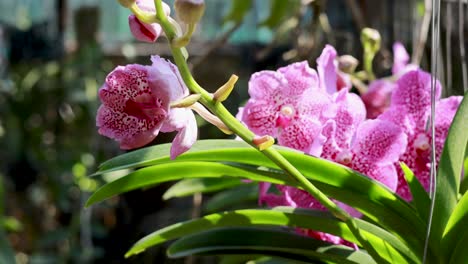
(300, 77)
(413, 95)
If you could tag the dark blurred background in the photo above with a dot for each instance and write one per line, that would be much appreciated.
(55, 54)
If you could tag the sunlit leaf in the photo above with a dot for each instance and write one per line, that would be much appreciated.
(264, 241)
(235, 196)
(421, 199)
(201, 185)
(366, 195)
(449, 173)
(384, 242)
(456, 227)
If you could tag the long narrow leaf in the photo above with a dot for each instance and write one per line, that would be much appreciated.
(421, 199)
(150, 176)
(456, 226)
(229, 198)
(239, 152)
(459, 255)
(201, 185)
(262, 241)
(449, 172)
(368, 196)
(389, 245)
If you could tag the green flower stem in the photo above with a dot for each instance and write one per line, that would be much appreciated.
(239, 129)
(143, 16)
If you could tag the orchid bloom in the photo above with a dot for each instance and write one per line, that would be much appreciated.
(377, 98)
(136, 106)
(287, 104)
(410, 110)
(142, 31)
(365, 146)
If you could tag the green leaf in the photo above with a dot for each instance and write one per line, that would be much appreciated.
(238, 195)
(346, 185)
(278, 11)
(175, 171)
(464, 183)
(201, 185)
(421, 199)
(238, 11)
(389, 245)
(264, 241)
(449, 172)
(459, 255)
(161, 153)
(456, 226)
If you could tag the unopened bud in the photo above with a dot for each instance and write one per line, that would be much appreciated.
(347, 63)
(263, 142)
(371, 39)
(224, 91)
(186, 101)
(190, 11)
(126, 3)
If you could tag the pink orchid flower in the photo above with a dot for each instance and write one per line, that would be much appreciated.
(136, 106)
(142, 31)
(287, 104)
(410, 110)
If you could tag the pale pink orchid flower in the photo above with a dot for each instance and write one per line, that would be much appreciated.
(142, 31)
(287, 104)
(410, 110)
(136, 106)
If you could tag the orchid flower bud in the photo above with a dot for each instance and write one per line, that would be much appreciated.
(347, 63)
(224, 91)
(186, 101)
(190, 11)
(371, 40)
(263, 142)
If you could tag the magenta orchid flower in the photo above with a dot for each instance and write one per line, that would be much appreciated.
(142, 31)
(369, 147)
(136, 106)
(410, 110)
(287, 104)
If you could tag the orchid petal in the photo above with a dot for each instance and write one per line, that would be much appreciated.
(300, 77)
(186, 136)
(327, 69)
(266, 84)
